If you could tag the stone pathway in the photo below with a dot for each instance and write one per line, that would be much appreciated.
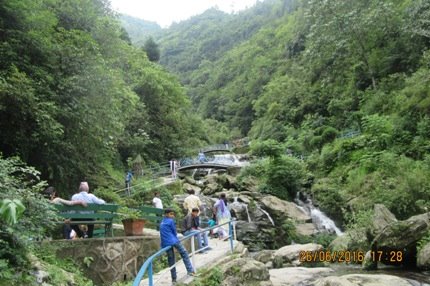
(220, 249)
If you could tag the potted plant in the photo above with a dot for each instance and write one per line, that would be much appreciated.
(133, 224)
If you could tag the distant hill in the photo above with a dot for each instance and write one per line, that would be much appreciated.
(139, 29)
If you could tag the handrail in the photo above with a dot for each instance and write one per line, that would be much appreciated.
(147, 265)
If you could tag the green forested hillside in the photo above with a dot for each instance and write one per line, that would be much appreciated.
(139, 29)
(305, 73)
(77, 99)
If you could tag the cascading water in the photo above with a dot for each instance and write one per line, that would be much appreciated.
(229, 159)
(319, 219)
(267, 214)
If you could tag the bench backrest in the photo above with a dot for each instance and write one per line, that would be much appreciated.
(151, 214)
(104, 212)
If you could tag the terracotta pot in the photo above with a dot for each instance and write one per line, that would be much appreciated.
(133, 226)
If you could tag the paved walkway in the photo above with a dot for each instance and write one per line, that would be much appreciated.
(219, 250)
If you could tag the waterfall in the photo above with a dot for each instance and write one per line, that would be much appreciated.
(319, 219)
(237, 203)
(267, 214)
(229, 159)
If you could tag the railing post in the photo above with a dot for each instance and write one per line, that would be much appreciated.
(230, 226)
(150, 280)
(234, 230)
(193, 254)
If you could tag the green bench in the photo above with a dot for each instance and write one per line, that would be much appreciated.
(101, 215)
(151, 214)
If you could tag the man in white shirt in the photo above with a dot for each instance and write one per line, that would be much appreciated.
(84, 195)
(156, 201)
(192, 201)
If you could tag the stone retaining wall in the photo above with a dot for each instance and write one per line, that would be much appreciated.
(110, 259)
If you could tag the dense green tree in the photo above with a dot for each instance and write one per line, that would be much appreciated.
(152, 50)
(74, 93)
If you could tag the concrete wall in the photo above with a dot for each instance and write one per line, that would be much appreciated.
(113, 259)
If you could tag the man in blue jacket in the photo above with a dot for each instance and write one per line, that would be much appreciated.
(169, 237)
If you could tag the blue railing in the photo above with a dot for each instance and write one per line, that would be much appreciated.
(148, 264)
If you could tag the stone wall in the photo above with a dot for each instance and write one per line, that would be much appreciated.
(111, 259)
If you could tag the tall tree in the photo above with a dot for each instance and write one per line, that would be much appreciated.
(152, 50)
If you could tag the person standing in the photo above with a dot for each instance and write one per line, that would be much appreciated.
(173, 168)
(169, 237)
(156, 201)
(191, 224)
(192, 201)
(222, 214)
(84, 195)
(201, 157)
(128, 178)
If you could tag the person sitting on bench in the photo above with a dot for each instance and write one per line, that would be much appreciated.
(84, 195)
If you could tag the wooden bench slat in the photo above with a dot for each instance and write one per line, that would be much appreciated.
(88, 222)
(90, 207)
(152, 218)
(147, 209)
(105, 216)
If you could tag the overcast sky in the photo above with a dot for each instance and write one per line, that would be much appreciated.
(165, 12)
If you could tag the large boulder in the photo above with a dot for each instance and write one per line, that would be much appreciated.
(255, 235)
(190, 180)
(351, 240)
(226, 181)
(293, 254)
(240, 210)
(188, 188)
(402, 234)
(361, 280)
(264, 256)
(244, 271)
(281, 210)
(296, 276)
(248, 185)
(307, 229)
(210, 179)
(212, 188)
(382, 217)
(423, 259)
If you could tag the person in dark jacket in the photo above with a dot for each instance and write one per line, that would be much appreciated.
(191, 224)
(169, 237)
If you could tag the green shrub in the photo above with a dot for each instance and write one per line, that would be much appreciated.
(109, 195)
(284, 177)
(21, 183)
(329, 199)
(269, 148)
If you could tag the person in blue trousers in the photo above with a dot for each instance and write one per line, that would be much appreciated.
(128, 178)
(169, 237)
(191, 224)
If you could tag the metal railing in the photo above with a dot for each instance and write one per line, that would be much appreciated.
(153, 175)
(148, 264)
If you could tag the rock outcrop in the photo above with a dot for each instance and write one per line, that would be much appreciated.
(245, 271)
(361, 280)
(402, 234)
(423, 259)
(292, 254)
(294, 276)
(280, 210)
